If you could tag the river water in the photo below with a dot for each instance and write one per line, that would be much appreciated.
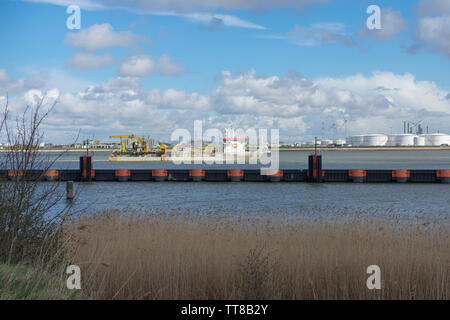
(259, 199)
(408, 159)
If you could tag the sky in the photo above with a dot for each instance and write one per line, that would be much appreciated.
(305, 67)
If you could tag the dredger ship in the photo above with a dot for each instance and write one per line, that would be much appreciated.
(232, 149)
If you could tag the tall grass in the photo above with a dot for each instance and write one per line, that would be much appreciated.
(318, 255)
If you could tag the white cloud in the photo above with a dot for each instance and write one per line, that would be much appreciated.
(100, 36)
(167, 67)
(320, 34)
(435, 31)
(392, 23)
(186, 5)
(136, 66)
(143, 65)
(89, 61)
(119, 84)
(83, 4)
(433, 27)
(4, 77)
(41, 80)
(432, 7)
(223, 19)
(295, 104)
(11, 87)
(182, 9)
(383, 95)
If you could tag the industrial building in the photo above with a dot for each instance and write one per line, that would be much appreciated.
(399, 140)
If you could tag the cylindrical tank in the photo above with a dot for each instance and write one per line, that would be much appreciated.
(326, 142)
(339, 142)
(400, 140)
(419, 141)
(356, 141)
(436, 139)
(374, 140)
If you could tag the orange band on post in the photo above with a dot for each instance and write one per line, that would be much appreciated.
(123, 173)
(159, 173)
(235, 173)
(443, 173)
(14, 173)
(51, 173)
(196, 173)
(357, 173)
(401, 173)
(275, 173)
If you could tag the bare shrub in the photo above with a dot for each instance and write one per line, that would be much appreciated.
(28, 232)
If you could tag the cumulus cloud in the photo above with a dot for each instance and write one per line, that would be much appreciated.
(144, 65)
(40, 80)
(432, 7)
(295, 104)
(433, 27)
(392, 23)
(101, 36)
(9, 86)
(435, 31)
(4, 77)
(89, 61)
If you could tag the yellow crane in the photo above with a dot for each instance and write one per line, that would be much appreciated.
(132, 137)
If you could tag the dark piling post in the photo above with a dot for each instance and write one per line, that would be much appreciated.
(69, 190)
(315, 166)
(86, 168)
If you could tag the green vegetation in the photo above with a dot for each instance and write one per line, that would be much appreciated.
(21, 282)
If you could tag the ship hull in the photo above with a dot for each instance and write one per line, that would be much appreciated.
(185, 159)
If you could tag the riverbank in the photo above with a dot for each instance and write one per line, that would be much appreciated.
(364, 148)
(64, 150)
(167, 254)
(274, 149)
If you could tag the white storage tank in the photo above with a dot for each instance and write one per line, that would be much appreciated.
(374, 140)
(356, 141)
(339, 142)
(436, 139)
(419, 141)
(326, 142)
(400, 140)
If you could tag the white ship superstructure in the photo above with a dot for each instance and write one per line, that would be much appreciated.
(234, 146)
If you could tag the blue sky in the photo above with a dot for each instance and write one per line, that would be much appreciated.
(291, 66)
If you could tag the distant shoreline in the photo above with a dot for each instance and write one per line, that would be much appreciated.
(279, 149)
(69, 150)
(364, 148)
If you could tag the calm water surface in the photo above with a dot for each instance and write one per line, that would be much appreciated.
(423, 159)
(262, 198)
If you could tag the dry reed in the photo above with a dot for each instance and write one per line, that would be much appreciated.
(315, 255)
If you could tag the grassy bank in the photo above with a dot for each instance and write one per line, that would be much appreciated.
(19, 282)
(161, 255)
